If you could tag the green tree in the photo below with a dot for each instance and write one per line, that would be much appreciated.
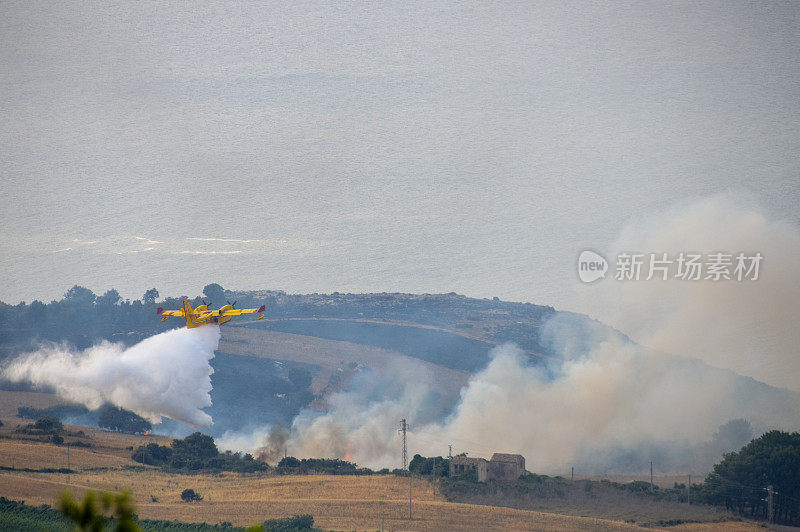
(121, 420)
(195, 446)
(427, 466)
(740, 480)
(80, 296)
(152, 454)
(733, 435)
(110, 298)
(37, 311)
(150, 296)
(215, 293)
(49, 424)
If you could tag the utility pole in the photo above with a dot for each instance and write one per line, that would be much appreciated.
(433, 476)
(449, 451)
(403, 429)
(689, 490)
(410, 478)
(652, 487)
(769, 503)
(68, 457)
(572, 475)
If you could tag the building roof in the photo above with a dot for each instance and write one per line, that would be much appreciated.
(508, 458)
(466, 460)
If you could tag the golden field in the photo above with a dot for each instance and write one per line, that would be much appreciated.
(336, 502)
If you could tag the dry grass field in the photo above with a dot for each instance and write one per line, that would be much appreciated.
(10, 401)
(336, 502)
(34, 455)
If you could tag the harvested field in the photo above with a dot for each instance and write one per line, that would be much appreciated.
(336, 502)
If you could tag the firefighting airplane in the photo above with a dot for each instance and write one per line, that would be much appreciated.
(202, 316)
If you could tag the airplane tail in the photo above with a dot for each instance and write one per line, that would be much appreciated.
(187, 312)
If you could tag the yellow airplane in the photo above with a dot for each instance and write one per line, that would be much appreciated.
(202, 316)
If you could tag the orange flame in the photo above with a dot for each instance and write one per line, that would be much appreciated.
(347, 453)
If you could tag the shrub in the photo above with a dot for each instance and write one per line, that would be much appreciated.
(48, 424)
(189, 495)
(152, 454)
(289, 524)
(121, 420)
(328, 466)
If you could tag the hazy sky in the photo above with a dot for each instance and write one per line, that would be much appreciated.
(423, 147)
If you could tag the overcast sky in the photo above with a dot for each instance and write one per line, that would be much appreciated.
(422, 147)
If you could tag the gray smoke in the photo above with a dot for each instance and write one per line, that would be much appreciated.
(609, 405)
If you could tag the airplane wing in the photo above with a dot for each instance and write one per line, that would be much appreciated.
(240, 311)
(167, 313)
(163, 312)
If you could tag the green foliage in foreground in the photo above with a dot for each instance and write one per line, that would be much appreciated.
(89, 514)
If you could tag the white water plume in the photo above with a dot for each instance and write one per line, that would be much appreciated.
(168, 374)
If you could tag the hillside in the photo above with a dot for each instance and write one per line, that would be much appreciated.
(309, 346)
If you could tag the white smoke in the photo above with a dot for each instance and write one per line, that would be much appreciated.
(168, 374)
(617, 396)
(614, 396)
(749, 327)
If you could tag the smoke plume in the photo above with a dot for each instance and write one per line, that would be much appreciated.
(165, 375)
(749, 327)
(609, 404)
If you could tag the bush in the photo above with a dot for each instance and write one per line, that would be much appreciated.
(121, 420)
(152, 454)
(430, 466)
(289, 524)
(48, 424)
(57, 411)
(189, 495)
(328, 466)
(195, 446)
(193, 453)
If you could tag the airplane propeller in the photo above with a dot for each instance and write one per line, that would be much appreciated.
(233, 305)
(208, 305)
